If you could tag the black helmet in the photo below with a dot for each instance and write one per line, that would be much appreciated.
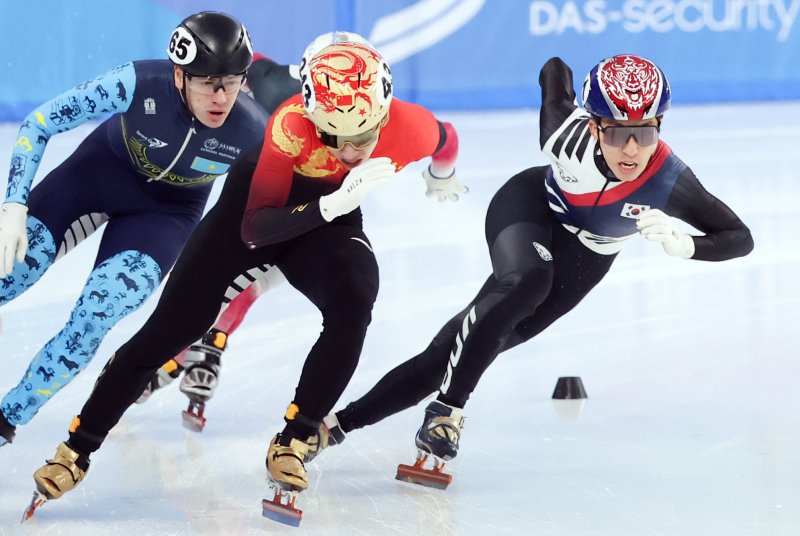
(211, 44)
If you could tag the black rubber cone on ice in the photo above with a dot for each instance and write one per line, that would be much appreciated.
(569, 388)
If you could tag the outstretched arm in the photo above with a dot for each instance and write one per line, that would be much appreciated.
(558, 97)
(93, 99)
(108, 93)
(726, 236)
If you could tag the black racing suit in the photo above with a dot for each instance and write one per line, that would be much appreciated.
(553, 233)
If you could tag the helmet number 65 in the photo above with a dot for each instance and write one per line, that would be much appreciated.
(179, 46)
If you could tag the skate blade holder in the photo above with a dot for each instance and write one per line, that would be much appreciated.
(417, 474)
(38, 499)
(193, 417)
(281, 508)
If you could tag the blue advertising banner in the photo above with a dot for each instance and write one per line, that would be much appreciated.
(486, 54)
(445, 54)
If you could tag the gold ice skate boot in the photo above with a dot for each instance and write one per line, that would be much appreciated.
(285, 466)
(62, 473)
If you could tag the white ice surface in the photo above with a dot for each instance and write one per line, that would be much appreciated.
(691, 427)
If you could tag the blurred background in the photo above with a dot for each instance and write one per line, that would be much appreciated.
(445, 54)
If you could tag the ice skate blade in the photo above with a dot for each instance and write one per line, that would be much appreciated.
(281, 512)
(193, 418)
(38, 499)
(416, 474)
(192, 422)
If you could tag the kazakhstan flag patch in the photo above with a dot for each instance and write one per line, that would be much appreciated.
(209, 166)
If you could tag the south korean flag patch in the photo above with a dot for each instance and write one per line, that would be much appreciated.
(629, 210)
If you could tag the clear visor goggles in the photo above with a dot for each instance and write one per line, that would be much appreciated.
(618, 135)
(209, 85)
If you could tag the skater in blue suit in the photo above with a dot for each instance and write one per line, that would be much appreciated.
(145, 172)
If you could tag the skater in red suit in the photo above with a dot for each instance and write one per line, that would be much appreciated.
(292, 203)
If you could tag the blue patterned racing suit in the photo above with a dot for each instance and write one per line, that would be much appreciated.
(145, 172)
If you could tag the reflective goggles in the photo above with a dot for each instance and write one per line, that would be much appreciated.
(359, 141)
(618, 135)
(209, 85)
